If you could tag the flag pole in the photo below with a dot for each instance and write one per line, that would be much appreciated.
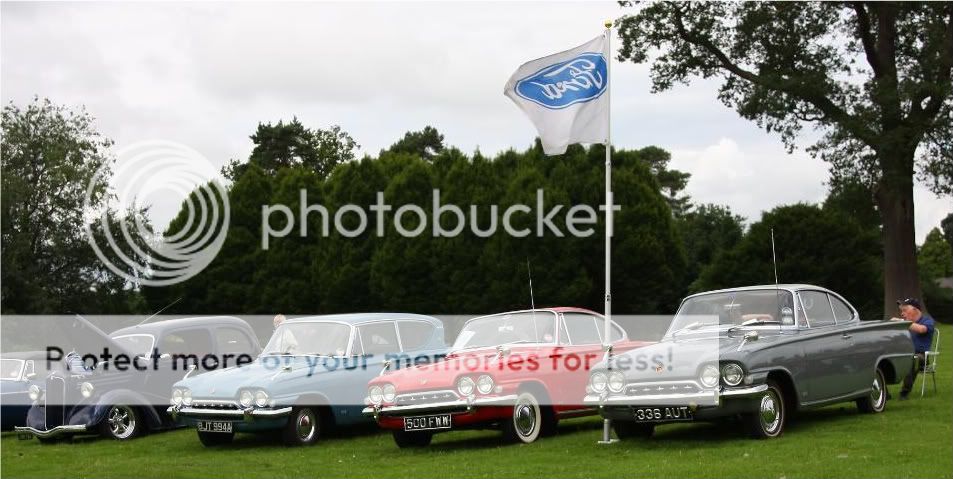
(607, 343)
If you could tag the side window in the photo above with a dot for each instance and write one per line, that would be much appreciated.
(563, 334)
(817, 308)
(231, 340)
(415, 334)
(842, 312)
(379, 338)
(582, 328)
(189, 341)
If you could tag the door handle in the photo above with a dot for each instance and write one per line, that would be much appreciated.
(846, 336)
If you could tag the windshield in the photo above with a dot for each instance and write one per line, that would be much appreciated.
(324, 339)
(10, 369)
(137, 344)
(510, 328)
(734, 308)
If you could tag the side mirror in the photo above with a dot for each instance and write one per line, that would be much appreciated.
(29, 370)
(165, 356)
(751, 336)
(502, 350)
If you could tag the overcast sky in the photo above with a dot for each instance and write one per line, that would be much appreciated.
(205, 75)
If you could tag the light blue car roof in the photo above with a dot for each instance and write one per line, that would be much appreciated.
(354, 318)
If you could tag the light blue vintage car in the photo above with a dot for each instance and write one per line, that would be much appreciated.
(311, 376)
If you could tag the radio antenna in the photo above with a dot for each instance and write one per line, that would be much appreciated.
(774, 258)
(160, 311)
(529, 272)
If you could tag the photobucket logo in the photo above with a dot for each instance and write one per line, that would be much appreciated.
(162, 169)
(578, 220)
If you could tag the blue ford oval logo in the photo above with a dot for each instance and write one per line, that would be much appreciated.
(557, 86)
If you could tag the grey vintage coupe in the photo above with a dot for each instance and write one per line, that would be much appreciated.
(759, 353)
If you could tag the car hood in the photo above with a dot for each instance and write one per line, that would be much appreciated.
(266, 372)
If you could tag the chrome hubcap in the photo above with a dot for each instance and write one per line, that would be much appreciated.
(770, 412)
(122, 421)
(305, 425)
(877, 394)
(525, 419)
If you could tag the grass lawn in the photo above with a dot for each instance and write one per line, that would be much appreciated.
(910, 439)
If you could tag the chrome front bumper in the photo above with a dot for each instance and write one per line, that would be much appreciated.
(458, 405)
(54, 432)
(704, 398)
(247, 414)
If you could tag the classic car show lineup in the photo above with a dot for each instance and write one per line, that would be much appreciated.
(758, 353)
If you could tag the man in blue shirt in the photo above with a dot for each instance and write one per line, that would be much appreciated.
(921, 331)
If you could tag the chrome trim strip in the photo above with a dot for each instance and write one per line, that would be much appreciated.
(710, 397)
(234, 413)
(460, 405)
(56, 431)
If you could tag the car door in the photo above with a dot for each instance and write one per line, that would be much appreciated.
(231, 344)
(827, 350)
(580, 347)
(374, 342)
(179, 349)
(861, 355)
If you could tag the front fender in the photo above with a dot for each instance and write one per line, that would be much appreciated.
(97, 411)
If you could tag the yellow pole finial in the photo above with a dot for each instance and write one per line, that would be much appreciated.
(608, 24)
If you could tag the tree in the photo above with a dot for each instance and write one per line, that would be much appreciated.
(706, 231)
(425, 143)
(50, 155)
(814, 246)
(284, 145)
(947, 225)
(875, 78)
(935, 258)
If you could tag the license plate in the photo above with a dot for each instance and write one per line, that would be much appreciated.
(215, 426)
(663, 414)
(427, 423)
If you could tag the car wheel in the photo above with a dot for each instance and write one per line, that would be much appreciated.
(405, 439)
(876, 401)
(633, 430)
(303, 427)
(211, 439)
(122, 422)
(768, 420)
(526, 421)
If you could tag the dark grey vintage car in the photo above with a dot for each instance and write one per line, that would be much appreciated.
(760, 353)
(126, 394)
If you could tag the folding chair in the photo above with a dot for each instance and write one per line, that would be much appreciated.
(929, 362)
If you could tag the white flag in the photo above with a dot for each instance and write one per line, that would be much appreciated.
(566, 95)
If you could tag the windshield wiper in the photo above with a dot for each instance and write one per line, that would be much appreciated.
(753, 322)
(693, 326)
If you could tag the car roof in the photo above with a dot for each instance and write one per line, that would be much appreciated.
(788, 287)
(354, 318)
(159, 326)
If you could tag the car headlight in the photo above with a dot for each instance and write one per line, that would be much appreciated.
(465, 386)
(187, 397)
(732, 374)
(616, 381)
(176, 397)
(389, 392)
(246, 398)
(34, 392)
(598, 382)
(485, 384)
(709, 376)
(376, 394)
(86, 389)
(261, 398)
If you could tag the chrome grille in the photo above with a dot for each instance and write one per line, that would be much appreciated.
(55, 402)
(425, 397)
(662, 388)
(215, 404)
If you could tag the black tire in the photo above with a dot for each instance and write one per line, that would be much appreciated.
(550, 422)
(876, 401)
(304, 426)
(768, 421)
(405, 439)
(526, 422)
(122, 422)
(633, 430)
(212, 439)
